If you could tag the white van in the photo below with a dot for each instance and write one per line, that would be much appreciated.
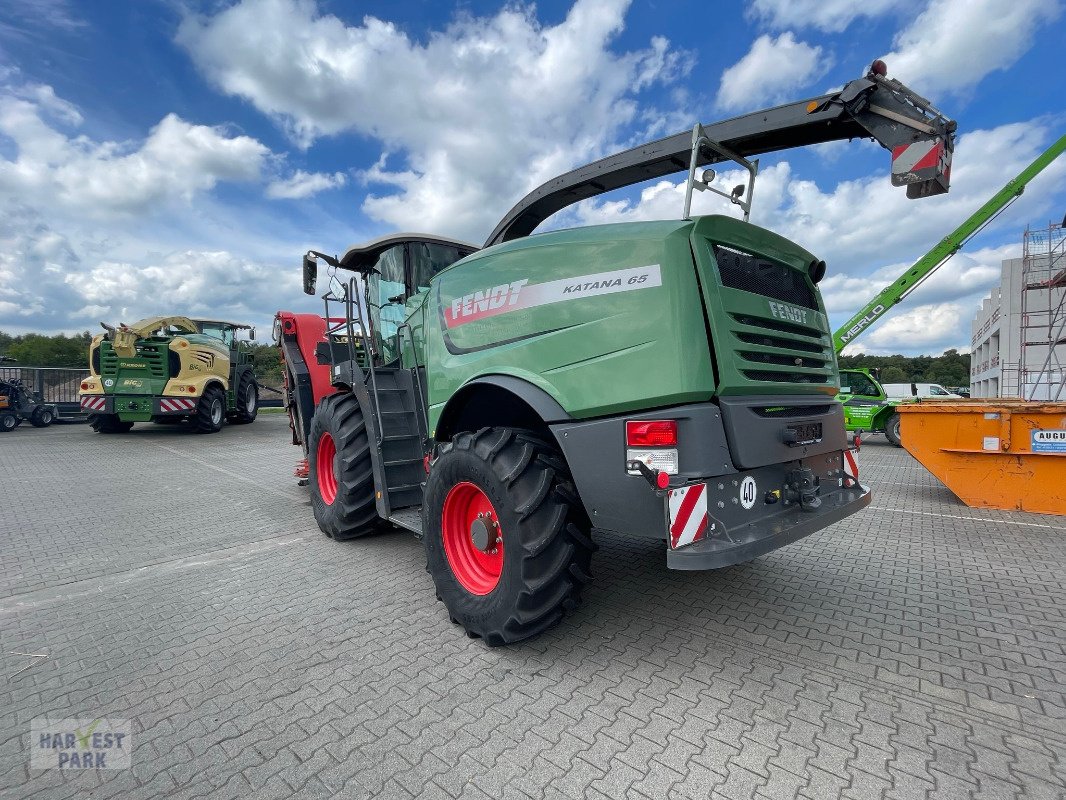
(901, 391)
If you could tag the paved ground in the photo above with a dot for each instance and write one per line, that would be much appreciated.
(918, 649)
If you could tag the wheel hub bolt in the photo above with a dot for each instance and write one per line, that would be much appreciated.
(483, 533)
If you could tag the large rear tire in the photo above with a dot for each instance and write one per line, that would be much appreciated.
(109, 423)
(892, 430)
(341, 474)
(247, 401)
(210, 411)
(506, 537)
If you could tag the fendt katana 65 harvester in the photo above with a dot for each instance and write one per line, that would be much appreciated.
(669, 380)
(170, 369)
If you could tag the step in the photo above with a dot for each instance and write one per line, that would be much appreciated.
(402, 462)
(409, 518)
(405, 496)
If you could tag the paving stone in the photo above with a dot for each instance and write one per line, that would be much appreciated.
(916, 649)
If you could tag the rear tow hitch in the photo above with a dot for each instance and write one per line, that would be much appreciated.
(801, 486)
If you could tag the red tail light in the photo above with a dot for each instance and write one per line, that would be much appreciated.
(651, 433)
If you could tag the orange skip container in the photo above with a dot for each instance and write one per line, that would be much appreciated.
(1007, 454)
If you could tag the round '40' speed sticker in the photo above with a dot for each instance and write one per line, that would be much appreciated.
(748, 491)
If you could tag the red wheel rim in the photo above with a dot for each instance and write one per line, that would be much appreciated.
(478, 571)
(327, 478)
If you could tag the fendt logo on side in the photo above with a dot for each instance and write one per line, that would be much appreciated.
(865, 322)
(489, 300)
(790, 313)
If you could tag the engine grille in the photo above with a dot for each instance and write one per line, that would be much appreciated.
(802, 356)
(749, 273)
(150, 355)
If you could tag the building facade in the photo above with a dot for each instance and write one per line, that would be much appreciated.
(1018, 341)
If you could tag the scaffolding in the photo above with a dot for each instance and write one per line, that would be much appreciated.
(1041, 371)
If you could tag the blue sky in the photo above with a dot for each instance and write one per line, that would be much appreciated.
(168, 156)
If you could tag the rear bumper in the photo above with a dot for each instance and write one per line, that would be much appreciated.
(748, 511)
(726, 547)
(137, 405)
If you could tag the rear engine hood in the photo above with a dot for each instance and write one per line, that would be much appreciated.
(771, 335)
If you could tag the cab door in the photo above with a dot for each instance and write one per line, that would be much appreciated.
(861, 397)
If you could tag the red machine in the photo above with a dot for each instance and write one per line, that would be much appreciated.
(306, 374)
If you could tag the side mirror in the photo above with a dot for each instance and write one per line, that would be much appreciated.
(310, 274)
(251, 334)
(737, 193)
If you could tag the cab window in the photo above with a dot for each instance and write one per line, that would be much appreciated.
(223, 332)
(859, 384)
(427, 259)
(387, 290)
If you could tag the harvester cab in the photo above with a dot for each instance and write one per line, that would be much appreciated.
(170, 369)
(672, 380)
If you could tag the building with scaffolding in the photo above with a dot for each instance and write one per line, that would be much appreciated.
(1018, 346)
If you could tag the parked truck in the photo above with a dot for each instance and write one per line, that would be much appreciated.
(170, 369)
(671, 380)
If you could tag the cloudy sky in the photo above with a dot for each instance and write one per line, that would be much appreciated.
(178, 156)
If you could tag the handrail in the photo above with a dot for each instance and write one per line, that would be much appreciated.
(418, 379)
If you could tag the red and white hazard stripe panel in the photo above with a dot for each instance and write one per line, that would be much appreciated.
(93, 403)
(688, 514)
(917, 156)
(851, 467)
(176, 404)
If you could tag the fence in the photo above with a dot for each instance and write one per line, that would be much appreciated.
(57, 385)
(60, 385)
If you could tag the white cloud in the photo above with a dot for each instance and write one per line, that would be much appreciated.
(176, 161)
(38, 14)
(831, 16)
(952, 45)
(771, 71)
(928, 328)
(966, 274)
(472, 117)
(197, 282)
(48, 284)
(97, 230)
(304, 184)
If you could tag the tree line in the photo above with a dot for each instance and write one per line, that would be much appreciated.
(34, 350)
(950, 369)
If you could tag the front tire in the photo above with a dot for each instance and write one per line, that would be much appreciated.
(247, 401)
(109, 423)
(8, 423)
(340, 472)
(506, 538)
(210, 411)
(42, 417)
(892, 430)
